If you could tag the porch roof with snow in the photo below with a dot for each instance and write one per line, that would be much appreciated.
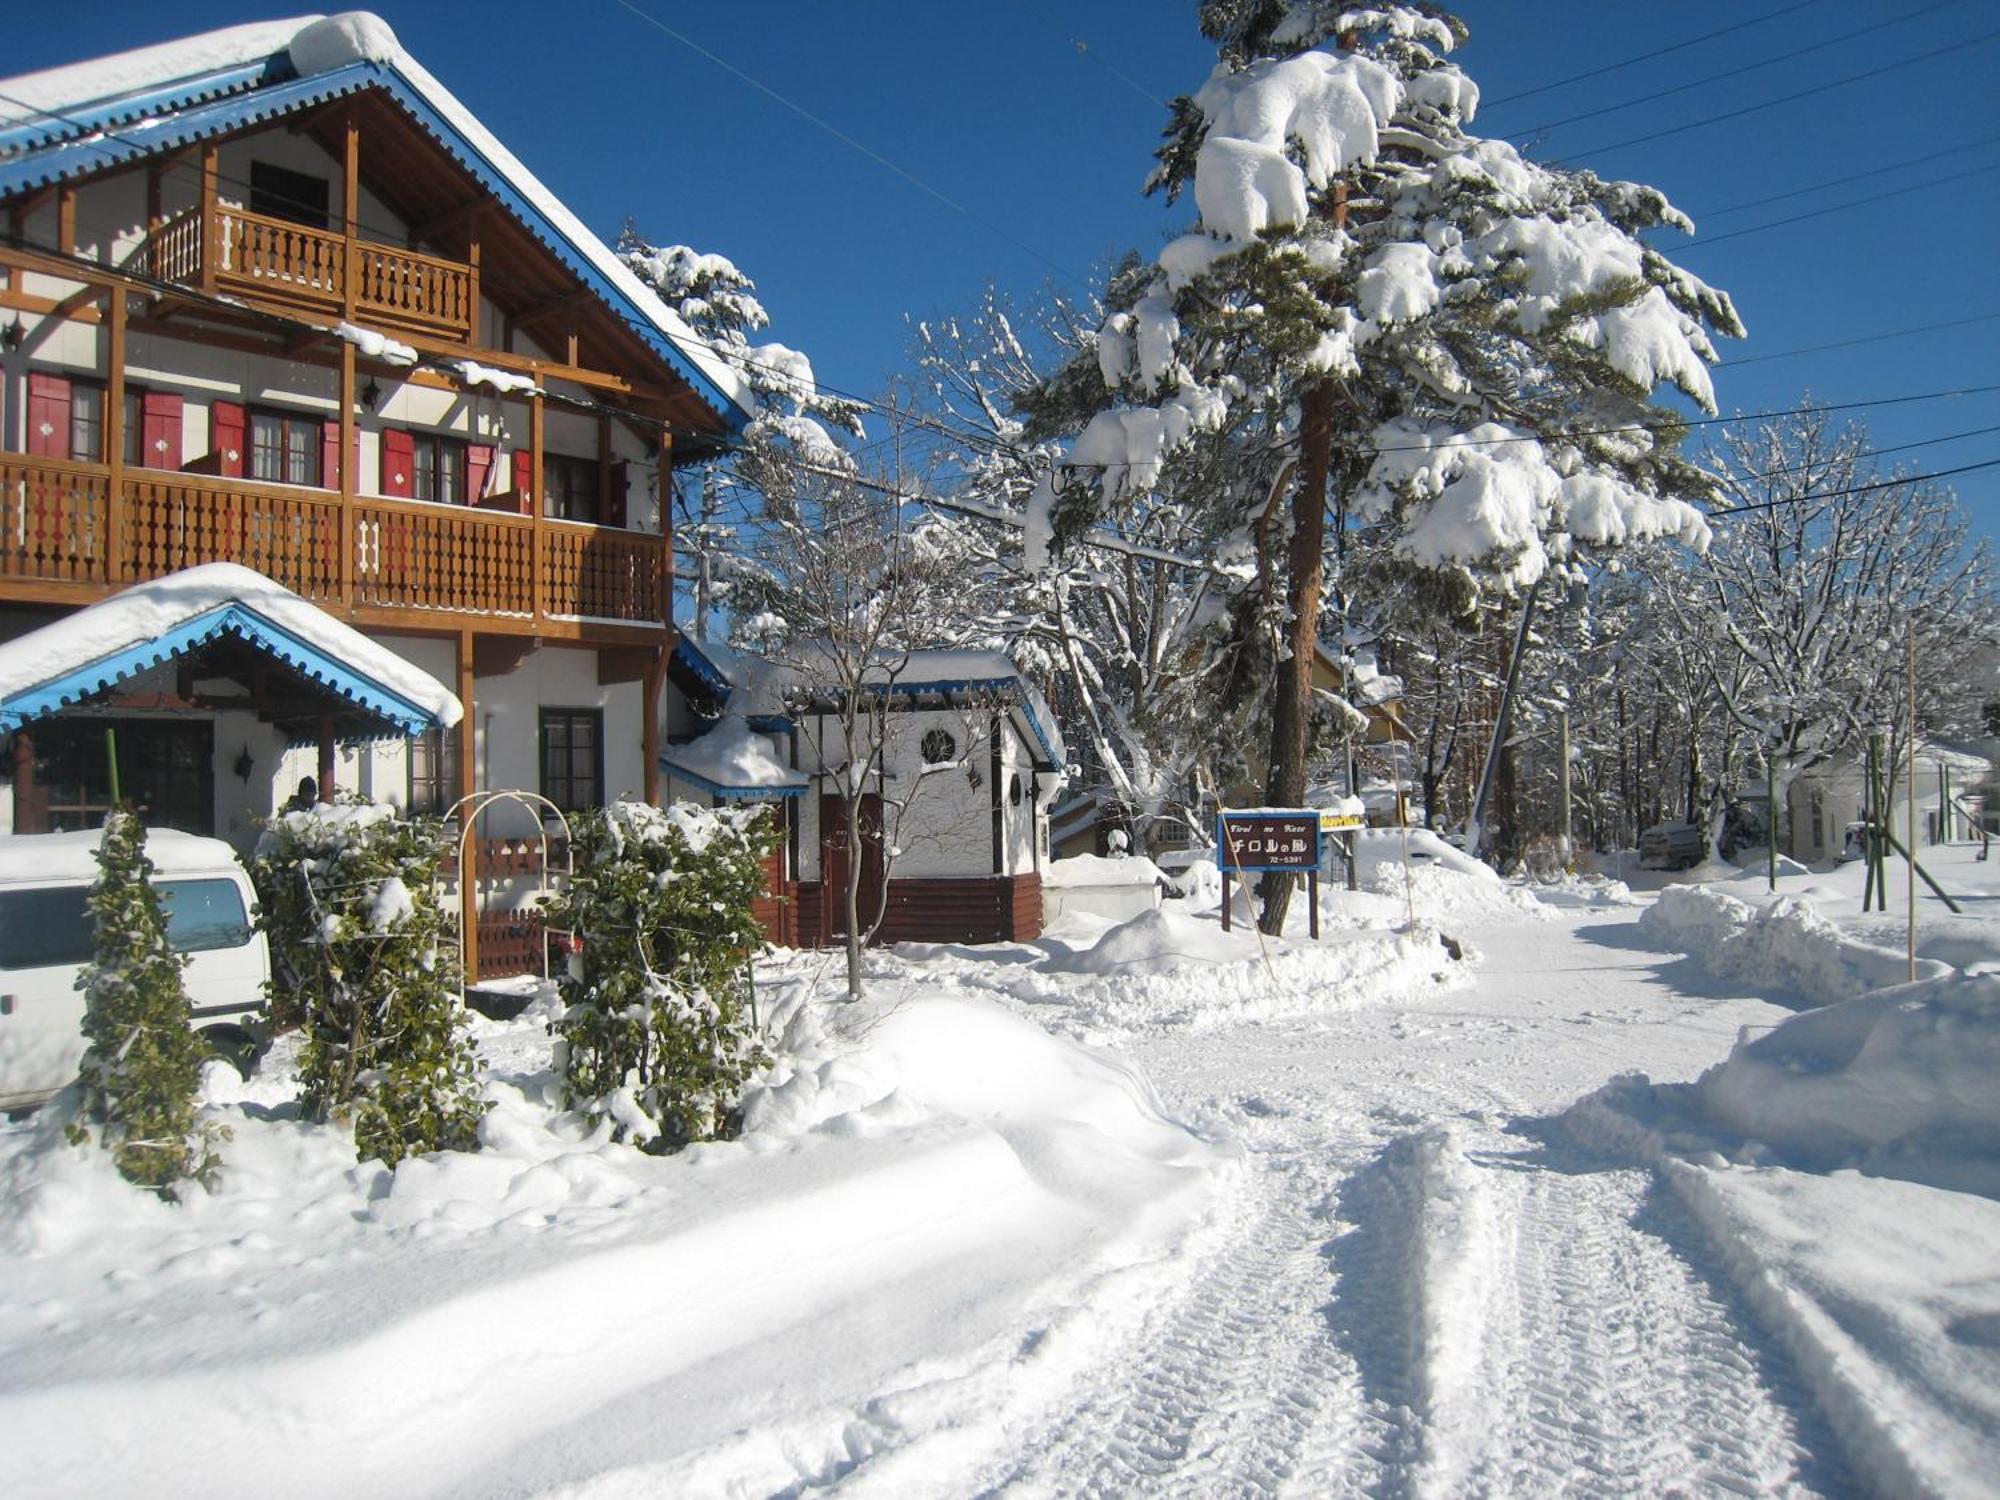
(733, 761)
(227, 621)
(766, 692)
(87, 118)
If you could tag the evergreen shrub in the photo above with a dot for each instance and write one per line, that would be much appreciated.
(657, 1034)
(141, 1072)
(358, 933)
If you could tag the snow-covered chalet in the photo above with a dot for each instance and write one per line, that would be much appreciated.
(271, 296)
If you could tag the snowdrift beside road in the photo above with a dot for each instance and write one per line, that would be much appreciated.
(456, 1324)
(1785, 947)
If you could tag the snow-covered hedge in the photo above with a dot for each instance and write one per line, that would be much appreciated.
(656, 1034)
(362, 956)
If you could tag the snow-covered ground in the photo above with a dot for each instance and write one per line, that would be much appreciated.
(1597, 1206)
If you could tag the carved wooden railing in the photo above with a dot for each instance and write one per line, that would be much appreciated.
(276, 260)
(58, 526)
(413, 555)
(597, 572)
(175, 521)
(56, 520)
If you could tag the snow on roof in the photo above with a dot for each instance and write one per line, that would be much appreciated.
(759, 688)
(58, 858)
(734, 760)
(165, 79)
(44, 670)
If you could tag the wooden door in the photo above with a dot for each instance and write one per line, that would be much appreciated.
(833, 862)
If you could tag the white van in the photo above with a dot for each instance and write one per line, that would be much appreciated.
(45, 939)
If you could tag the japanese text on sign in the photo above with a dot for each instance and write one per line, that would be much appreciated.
(1268, 841)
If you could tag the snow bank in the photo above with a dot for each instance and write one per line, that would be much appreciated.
(1097, 869)
(1785, 947)
(923, 1181)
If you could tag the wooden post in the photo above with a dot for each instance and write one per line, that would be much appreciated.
(66, 221)
(1910, 833)
(350, 212)
(472, 291)
(533, 501)
(468, 766)
(649, 728)
(1312, 894)
(28, 815)
(211, 217)
(348, 478)
(327, 766)
(114, 439)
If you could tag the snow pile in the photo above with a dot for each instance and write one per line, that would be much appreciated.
(925, 1182)
(376, 345)
(1905, 1082)
(1786, 946)
(1096, 869)
(1443, 884)
(734, 756)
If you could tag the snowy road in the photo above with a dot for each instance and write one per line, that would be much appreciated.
(1413, 1293)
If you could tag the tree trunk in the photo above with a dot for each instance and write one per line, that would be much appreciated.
(1291, 708)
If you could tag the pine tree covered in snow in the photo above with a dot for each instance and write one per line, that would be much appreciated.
(1391, 319)
(141, 1072)
(349, 897)
(656, 1035)
(719, 303)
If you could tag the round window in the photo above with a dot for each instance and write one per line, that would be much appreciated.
(939, 748)
(1014, 790)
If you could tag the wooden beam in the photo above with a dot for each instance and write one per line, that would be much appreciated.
(497, 655)
(625, 663)
(114, 439)
(66, 219)
(468, 783)
(349, 480)
(211, 219)
(350, 212)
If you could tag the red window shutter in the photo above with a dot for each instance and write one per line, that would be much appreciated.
(228, 436)
(48, 415)
(524, 481)
(329, 455)
(399, 462)
(478, 470)
(614, 502)
(160, 430)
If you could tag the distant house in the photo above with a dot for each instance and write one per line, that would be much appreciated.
(972, 760)
(272, 296)
(1826, 800)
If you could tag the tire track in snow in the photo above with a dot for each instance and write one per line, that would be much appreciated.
(1239, 1386)
(1604, 1363)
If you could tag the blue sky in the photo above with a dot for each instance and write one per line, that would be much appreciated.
(1036, 120)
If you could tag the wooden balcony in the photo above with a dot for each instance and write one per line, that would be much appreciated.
(264, 259)
(68, 533)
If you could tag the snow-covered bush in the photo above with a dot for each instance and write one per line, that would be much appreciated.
(349, 899)
(656, 1033)
(141, 1072)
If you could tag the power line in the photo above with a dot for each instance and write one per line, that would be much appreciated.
(1872, 338)
(1835, 208)
(1695, 41)
(1871, 453)
(1820, 88)
(847, 140)
(1694, 83)
(1858, 489)
(1845, 180)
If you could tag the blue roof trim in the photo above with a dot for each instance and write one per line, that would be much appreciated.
(70, 687)
(728, 793)
(189, 122)
(99, 115)
(703, 666)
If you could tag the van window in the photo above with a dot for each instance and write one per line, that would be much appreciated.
(204, 914)
(40, 929)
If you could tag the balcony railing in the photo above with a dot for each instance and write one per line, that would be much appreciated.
(276, 260)
(59, 526)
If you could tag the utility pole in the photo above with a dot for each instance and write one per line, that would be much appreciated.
(1910, 833)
